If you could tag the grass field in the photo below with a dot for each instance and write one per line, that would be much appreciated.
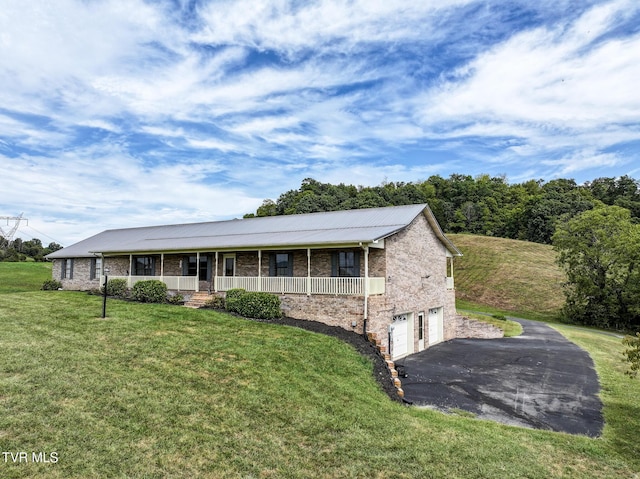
(516, 277)
(159, 391)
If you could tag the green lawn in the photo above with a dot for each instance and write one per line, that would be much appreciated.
(16, 277)
(159, 391)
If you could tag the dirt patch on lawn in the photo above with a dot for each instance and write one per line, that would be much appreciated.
(381, 372)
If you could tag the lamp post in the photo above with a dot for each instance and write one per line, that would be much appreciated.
(104, 297)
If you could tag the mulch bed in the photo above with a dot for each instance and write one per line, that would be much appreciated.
(359, 342)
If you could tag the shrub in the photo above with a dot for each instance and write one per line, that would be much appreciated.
(253, 305)
(150, 291)
(232, 299)
(632, 354)
(116, 287)
(217, 302)
(500, 317)
(51, 285)
(175, 299)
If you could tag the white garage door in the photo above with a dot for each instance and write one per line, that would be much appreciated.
(399, 332)
(436, 326)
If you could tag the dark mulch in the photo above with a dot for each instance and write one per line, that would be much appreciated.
(367, 349)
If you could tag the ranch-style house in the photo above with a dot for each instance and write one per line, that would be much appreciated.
(388, 270)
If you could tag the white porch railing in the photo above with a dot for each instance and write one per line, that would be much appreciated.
(301, 285)
(177, 283)
(279, 285)
(450, 284)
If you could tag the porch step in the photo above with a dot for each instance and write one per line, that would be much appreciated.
(198, 300)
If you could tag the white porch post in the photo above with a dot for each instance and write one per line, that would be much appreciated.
(198, 272)
(162, 267)
(366, 285)
(215, 275)
(308, 271)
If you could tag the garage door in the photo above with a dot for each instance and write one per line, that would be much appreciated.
(399, 336)
(436, 326)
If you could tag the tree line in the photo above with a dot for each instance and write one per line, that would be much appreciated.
(485, 205)
(19, 250)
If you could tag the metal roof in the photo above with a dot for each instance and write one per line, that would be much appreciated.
(313, 229)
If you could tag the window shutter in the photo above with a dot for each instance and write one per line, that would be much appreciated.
(92, 269)
(185, 265)
(356, 262)
(63, 268)
(71, 269)
(290, 264)
(334, 263)
(272, 264)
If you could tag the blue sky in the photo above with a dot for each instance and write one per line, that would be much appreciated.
(129, 113)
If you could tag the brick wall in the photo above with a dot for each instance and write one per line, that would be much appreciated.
(343, 311)
(416, 271)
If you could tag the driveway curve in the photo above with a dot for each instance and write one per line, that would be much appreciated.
(538, 380)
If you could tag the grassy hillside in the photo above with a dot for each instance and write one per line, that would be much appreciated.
(16, 277)
(514, 276)
(164, 391)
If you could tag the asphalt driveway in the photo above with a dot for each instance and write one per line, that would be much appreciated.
(538, 380)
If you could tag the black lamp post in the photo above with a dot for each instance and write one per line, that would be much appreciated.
(104, 297)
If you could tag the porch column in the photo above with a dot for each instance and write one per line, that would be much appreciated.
(130, 269)
(366, 287)
(308, 271)
(162, 267)
(198, 272)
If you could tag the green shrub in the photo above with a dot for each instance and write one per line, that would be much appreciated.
(500, 316)
(232, 299)
(632, 353)
(175, 299)
(116, 287)
(51, 285)
(149, 291)
(216, 302)
(253, 305)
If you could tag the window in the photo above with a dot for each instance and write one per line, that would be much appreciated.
(281, 264)
(229, 265)
(189, 267)
(96, 268)
(144, 266)
(420, 325)
(345, 264)
(67, 269)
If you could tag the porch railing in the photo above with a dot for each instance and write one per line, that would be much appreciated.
(450, 284)
(301, 285)
(177, 283)
(279, 285)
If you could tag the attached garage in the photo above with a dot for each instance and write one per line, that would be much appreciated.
(401, 335)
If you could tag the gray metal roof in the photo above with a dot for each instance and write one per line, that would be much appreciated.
(314, 229)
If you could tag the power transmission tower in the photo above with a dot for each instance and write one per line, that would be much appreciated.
(8, 235)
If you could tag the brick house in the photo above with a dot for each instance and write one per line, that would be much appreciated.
(383, 270)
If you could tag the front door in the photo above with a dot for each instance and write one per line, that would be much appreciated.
(420, 331)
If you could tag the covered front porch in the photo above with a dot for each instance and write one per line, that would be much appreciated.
(328, 272)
